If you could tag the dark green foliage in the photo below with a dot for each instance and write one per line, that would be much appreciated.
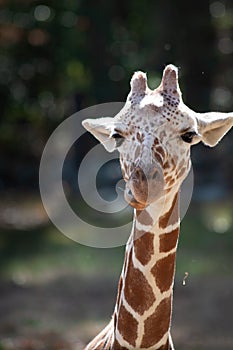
(57, 57)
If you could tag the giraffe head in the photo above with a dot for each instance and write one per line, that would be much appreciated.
(153, 133)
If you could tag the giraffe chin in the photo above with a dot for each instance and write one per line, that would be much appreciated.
(138, 205)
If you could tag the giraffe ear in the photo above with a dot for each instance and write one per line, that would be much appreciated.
(213, 126)
(101, 129)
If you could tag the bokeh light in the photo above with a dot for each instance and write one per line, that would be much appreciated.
(222, 97)
(68, 19)
(116, 73)
(42, 13)
(225, 45)
(217, 9)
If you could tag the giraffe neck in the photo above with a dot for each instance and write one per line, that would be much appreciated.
(143, 309)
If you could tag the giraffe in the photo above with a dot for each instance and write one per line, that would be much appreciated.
(153, 133)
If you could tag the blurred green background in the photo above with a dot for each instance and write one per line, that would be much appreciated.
(57, 57)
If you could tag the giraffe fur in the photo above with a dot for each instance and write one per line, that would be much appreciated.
(154, 133)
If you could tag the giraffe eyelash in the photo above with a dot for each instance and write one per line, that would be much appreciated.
(188, 136)
(119, 139)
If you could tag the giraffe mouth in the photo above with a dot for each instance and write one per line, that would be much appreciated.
(133, 202)
(144, 186)
(140, 197)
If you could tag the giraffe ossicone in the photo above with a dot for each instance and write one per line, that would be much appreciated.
(153, 133)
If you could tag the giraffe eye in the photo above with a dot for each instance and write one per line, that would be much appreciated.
(118, 138)
(188, 136)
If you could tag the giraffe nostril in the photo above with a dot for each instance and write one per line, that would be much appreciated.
(138, 172)
(143, 176)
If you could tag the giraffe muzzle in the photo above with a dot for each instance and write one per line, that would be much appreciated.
(144, 187)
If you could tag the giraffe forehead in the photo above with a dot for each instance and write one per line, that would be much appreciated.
(148, 132)
(140, 120)
(145, 129)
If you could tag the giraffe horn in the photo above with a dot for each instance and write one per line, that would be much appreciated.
(170, 80)
(139, 83)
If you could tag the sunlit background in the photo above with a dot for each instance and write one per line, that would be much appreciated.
(56, 58)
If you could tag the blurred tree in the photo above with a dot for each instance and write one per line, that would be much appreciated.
(59, 57)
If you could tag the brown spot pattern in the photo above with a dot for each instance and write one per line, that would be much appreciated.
(170, 180)
(158, 157)
(144, 217)
(140, 137)
(163, 272)
(157, 324)
(168, 241)
(166, 165)
(166, 346)
(143, 246)
(117, 346)
(138, 293)
(161, 151)
(127, 326)
(156, 142)
(171, 217)
(154, 107)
